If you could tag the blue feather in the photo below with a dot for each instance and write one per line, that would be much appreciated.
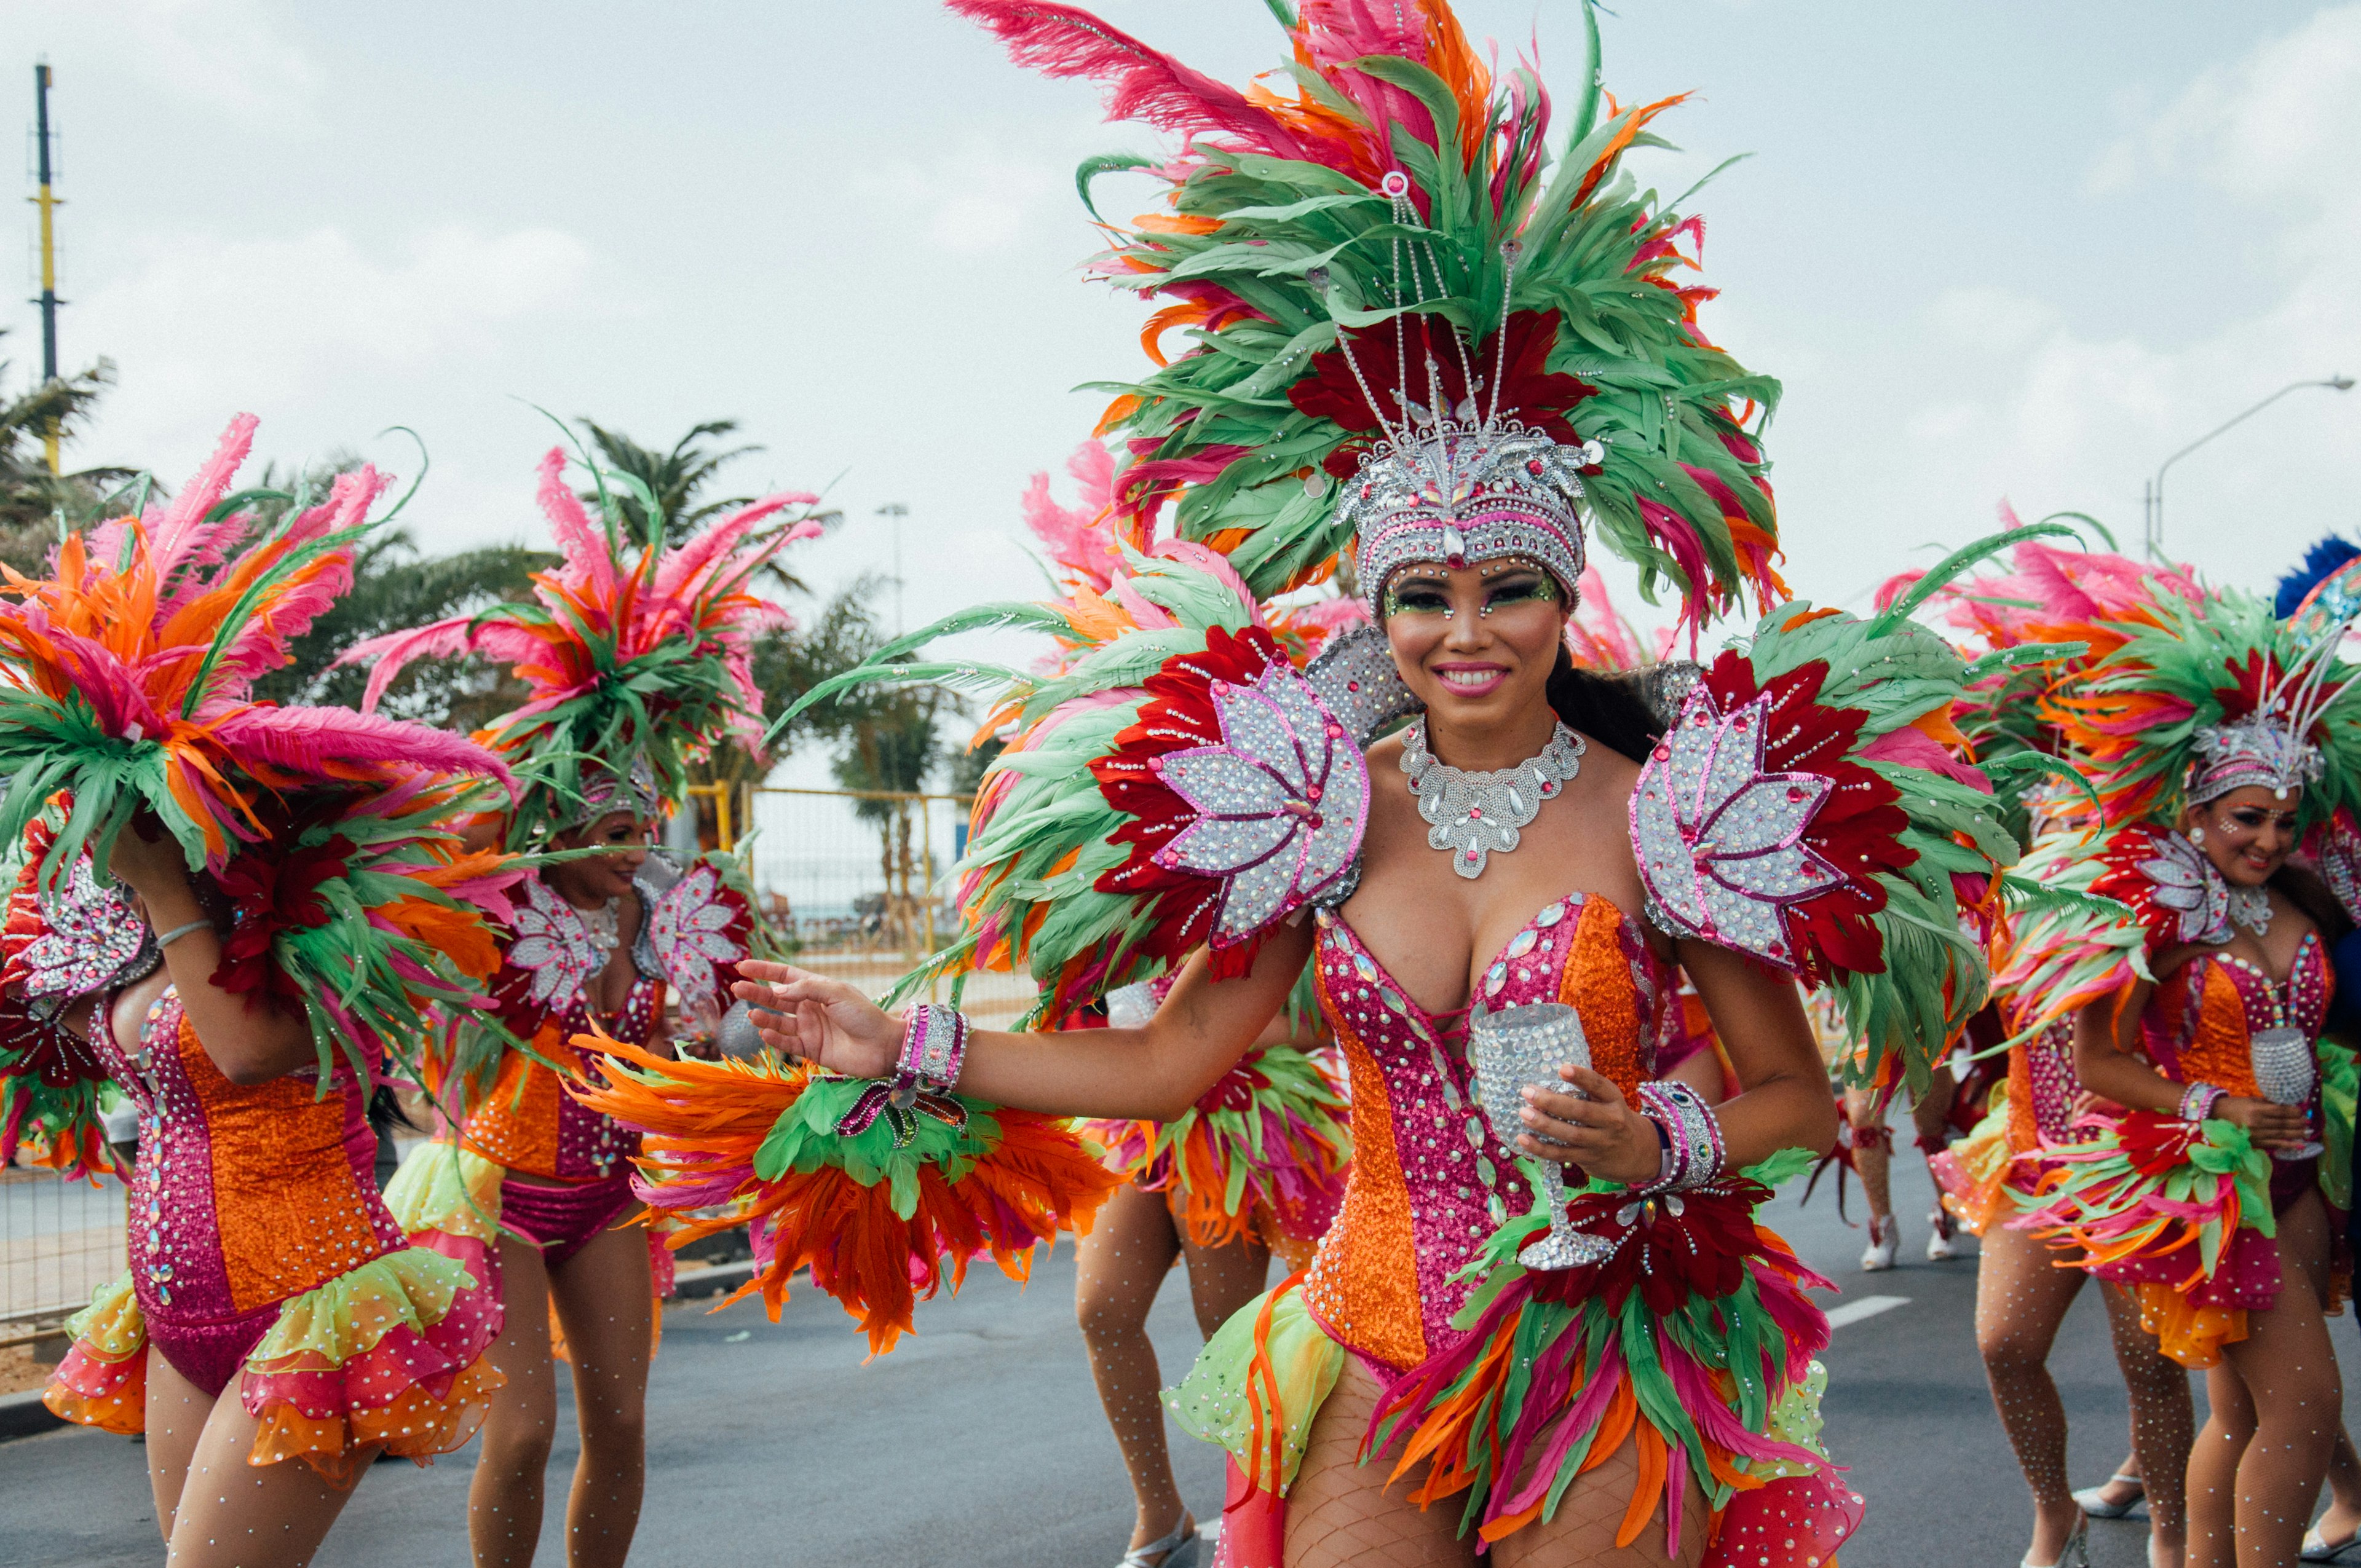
(2320, 563)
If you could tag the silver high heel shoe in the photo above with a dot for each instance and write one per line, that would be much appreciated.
(2075, 1553)
(2317, 1550)
(2094, 1502)
(1178, 1550)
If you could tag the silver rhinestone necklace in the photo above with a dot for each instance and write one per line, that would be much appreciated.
(2251, 907)
(1471, 814)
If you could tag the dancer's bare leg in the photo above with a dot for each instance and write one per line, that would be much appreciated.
(2021, 1297)
(2342, 1522)
(1119, 1266)
(177, 1410)
(504, 1500)
(2276, 1398)
(1342, 1513)
(2163, 1425)
(231, 1514)
(605, 1299)
(1872, 1159)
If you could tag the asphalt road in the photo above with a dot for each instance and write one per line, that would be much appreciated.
(979, 1442)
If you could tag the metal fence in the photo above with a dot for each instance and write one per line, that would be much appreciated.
(860, 882)
(58, 1241)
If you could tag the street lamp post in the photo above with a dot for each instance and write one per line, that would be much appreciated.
(2152, 497)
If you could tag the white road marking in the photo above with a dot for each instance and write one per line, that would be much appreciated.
(1865, 1307)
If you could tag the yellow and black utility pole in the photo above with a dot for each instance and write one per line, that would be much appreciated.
(47, 202)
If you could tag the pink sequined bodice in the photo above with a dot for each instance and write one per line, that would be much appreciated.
(1429, 1180)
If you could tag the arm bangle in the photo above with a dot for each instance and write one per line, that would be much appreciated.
(1691, 1135)
(177, 932)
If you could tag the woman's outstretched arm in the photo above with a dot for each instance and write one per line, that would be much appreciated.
(1154, 1072)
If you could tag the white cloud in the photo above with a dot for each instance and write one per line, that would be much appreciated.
(2026, 401)
(301, 320)
(227, 54)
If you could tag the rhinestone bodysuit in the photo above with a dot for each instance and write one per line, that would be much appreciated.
(1429, 1180)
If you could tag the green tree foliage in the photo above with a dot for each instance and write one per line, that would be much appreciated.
(31, 498)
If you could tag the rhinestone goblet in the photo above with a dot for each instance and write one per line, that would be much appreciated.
(1510, 1049)
(2285, 1072)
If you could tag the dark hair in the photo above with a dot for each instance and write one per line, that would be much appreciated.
(1610, 710)
(385, 1111)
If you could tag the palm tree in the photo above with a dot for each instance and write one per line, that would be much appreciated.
(394, 588)
(678, 480)
(31, 498)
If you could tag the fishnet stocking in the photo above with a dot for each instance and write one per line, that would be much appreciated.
(1341, 1512)
(1582, 1532)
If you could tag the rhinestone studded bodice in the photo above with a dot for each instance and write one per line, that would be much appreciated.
(531, 1125)
(2198, 1026)
(241, 1195)
(1429, 1180)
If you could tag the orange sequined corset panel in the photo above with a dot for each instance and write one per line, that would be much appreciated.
(531, 1125)
(1421, 1199)
(241, 1196)
(2201, 1022)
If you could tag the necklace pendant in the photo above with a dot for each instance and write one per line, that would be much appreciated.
(2251, 907)
(1468, 815)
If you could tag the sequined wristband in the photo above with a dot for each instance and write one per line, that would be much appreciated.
(1691, 1135)
(934, 1045)
(2199, 1101)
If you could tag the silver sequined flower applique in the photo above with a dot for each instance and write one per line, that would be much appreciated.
(1281, 802)
(2187, 884)
(689, 928)
(1719, 842)
(552, 945)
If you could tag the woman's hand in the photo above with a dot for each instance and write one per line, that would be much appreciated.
(2271, 1126)
(820, 1019)
(149, 862)
(1597, 1130)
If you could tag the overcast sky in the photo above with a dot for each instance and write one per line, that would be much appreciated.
(2002, 249)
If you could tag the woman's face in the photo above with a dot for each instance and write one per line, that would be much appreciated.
(596, 879)
(1476, 645)
(2247, 833)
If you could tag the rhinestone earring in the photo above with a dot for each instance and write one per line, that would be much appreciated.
(2197, 835)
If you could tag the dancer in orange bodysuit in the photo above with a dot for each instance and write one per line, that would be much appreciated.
(283, 900)
(636, 657)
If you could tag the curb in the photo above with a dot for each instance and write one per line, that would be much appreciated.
(24, 1414)
(718, 1279)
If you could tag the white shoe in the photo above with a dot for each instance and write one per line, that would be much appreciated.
(1882, 1244)
(2317, 1550)
(1938, 1238)
(2092, 1500)
(1178, 1549)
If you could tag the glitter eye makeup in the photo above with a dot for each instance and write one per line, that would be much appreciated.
(1418, 595)
(1519, 586)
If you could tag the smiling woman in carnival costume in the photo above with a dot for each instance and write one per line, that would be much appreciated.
(1418, 346)
(2216, 734)
(1256, 1168)
(2052, 596)
(636, 658)
(282, 904)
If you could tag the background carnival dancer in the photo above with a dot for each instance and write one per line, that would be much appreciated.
(636, 655)
(1256, 1168)
(2216, 733)
(242, 914)
(1418, 348)
(2047, 596)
